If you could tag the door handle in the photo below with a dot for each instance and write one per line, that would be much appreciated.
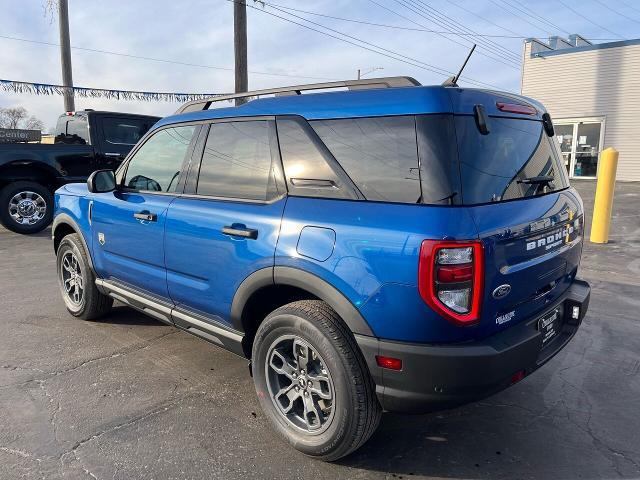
(113, 154)
(146, 216)
(238, 231)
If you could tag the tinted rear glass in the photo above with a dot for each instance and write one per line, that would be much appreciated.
(379, 154)
(439, 174)
(503, 164)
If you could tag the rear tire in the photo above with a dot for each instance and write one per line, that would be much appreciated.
(77, 281)
(330, 408)
(26, 207)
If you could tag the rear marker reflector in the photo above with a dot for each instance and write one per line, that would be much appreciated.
(516, 377)
(389, 363)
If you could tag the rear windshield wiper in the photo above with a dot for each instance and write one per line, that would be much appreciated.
(541, 180)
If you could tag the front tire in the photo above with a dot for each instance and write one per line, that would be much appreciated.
(77, 281)
(312, 381)
(26, 207)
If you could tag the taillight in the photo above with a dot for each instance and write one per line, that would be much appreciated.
(450, 279)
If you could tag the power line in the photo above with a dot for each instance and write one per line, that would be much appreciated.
(482, 41)
(629, 6)
(432, 68)
(588, 20)
(518, 16)
(162, 60)
(411, 20)
(412, 29)
(371, 47)
(462, 28)
(484, 49)
(524, 9)
(430, 17)
(443, 34)
(485, 19)
(617, 12)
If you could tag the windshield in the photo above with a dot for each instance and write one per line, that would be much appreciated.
(515, 160)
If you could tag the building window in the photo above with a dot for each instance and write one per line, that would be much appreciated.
(580, 143)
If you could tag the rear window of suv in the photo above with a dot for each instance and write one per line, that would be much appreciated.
(509, 162)
(443, 158)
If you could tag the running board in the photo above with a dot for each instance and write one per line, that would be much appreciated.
(198, 324)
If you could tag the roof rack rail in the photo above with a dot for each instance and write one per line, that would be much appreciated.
(384, 82)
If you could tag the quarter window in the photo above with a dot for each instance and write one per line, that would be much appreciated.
(156, 165)
(305, 164)
(237, 161)
(379, 154)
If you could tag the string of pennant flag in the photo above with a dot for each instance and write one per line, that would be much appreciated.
(113, 94)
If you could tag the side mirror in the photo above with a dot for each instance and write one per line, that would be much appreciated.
(102, 181)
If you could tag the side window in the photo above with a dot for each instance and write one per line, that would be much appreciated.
(78, 131)
(156, 165)
(379, 154)
(237, 162)
(305, 165)
(61, 125)
(123, 131)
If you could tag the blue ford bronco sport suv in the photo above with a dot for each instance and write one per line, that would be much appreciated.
(384, 246)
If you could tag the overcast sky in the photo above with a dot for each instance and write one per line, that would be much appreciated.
(201, 32)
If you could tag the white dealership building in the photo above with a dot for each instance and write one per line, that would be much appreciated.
(593, 95)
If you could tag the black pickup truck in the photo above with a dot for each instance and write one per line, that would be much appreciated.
(85, 141)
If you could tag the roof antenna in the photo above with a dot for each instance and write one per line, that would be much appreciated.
(453, 81)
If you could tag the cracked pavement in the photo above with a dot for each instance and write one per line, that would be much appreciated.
(127, 397)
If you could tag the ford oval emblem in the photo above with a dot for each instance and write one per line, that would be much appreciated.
(502, 291)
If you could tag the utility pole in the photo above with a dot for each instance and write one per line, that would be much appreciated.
(240, 47)
(65, 55)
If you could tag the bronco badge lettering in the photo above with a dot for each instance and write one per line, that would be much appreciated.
(554, 239)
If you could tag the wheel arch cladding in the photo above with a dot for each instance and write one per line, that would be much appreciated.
(269, 288)
(64, 225)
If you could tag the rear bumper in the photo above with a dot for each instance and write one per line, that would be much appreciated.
(439, 377)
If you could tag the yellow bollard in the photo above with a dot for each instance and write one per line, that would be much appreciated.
(604, 196)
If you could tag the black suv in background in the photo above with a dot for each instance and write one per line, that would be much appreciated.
(85, 141)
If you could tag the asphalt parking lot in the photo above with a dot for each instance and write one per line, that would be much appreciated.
(127, 397)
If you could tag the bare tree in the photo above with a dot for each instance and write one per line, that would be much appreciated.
(18, 117)
(50, 8)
